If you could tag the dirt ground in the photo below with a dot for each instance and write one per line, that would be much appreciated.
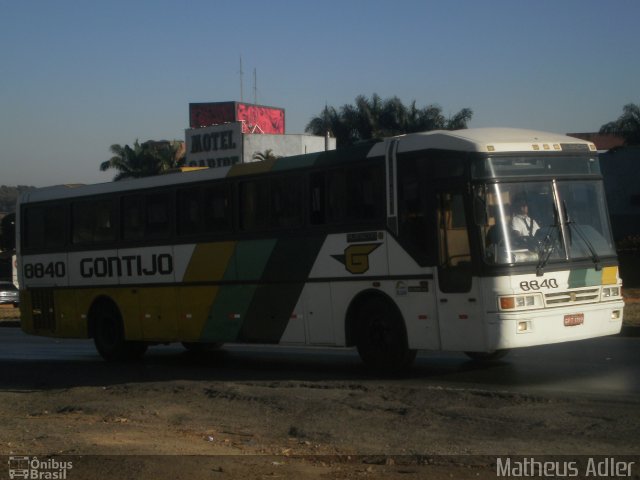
(206, 426)
(301, 429)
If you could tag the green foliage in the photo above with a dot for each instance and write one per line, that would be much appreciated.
(266, 155)
(9, 197)
(373, 118)
(144, 159)
(627, 125)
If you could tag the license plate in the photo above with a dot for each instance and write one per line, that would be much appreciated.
(574, 319)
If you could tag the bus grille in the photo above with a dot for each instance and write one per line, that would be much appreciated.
(588, 295)
(44, 317)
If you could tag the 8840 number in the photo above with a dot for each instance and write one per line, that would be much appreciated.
(527, 286)
(42, 270)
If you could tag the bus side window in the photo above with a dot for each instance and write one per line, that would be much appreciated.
(365, 192)
(217, 209)
(336, 196)
(416, 211)
(104, 224)
(286, 201)
(34, 227)
(132, 217)
(92, 221)
(254, 205)
(189, 213)
(355, 194)
(158, 215)
(55, 226)
(317, 198)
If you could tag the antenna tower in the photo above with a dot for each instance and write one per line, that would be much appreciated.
(255, 87)
(241, 73)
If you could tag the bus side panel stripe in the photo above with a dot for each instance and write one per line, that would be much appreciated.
(229, 309)
(270, 312)
(292, 259)
(273, 303)
(209, 261)
(230, 305)
(251, 258)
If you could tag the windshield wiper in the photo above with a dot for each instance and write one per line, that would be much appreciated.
(594, 255)
(547, 247)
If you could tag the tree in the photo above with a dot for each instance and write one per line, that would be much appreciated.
(266, 155)
(627, 125)
(144, 160)
(373, 118)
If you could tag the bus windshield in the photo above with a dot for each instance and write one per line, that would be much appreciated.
(542, 222)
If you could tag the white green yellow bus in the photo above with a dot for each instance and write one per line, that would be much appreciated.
(390, 246)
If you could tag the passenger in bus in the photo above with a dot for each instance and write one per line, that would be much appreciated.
(522, 224)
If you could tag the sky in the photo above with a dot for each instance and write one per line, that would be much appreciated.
(78, 76)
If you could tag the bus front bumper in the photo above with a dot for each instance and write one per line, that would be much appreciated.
(556, 325)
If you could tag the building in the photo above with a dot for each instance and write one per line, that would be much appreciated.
(222, 134)
(619, 165)
(620, 172)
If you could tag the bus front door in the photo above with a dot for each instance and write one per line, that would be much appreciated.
(459, 305)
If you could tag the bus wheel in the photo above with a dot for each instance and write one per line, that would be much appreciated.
(381, 338)
(487, 356)
(199, 347)
(108, 337)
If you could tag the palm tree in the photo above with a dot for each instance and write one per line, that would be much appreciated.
(459, 120)
(627, 125)
(329, 121)
(168, 154)
(144, 160)
(371, 118)
(266, 155)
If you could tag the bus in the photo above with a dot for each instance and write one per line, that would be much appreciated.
(388, 246)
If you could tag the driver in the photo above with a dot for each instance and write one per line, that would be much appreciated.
(522, 224)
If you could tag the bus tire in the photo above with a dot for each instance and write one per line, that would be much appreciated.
(381, 338)
(487, 356)
(108, 336)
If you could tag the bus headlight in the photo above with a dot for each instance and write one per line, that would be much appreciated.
(520, 302)
(610, 292)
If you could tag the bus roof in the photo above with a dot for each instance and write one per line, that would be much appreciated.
(487, 140)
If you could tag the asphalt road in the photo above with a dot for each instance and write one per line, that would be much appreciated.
(607, 367)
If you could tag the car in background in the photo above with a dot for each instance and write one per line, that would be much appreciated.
(9, 294)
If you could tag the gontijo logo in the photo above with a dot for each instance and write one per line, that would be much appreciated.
(356, 257)
(36, 469)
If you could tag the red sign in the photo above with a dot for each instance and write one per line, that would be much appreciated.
(207, 114)
(254, 118)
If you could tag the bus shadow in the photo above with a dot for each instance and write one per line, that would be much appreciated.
(221, 365)
(258, 364)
